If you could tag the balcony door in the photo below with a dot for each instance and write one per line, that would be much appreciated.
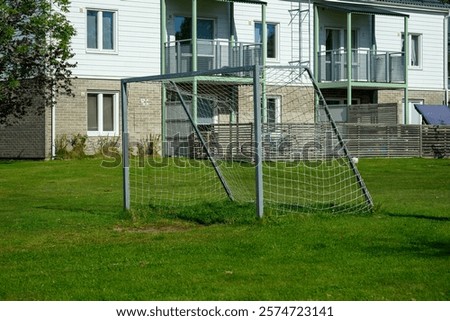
(335, 57)
(205, 40)
(183, 28)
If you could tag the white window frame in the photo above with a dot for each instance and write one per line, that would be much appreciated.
(277, 110)
(277, 39)
(100, 131)
(419, 49)
(100, 48)
(215, 112)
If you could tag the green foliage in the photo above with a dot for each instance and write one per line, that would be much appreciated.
(68, 147)
(35, 55)
(61, 147)
(108, 146)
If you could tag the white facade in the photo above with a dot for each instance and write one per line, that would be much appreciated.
(137, 33)
(136, 37)
(432, 48)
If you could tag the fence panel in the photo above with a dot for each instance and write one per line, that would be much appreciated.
(377, 140)
(436, 141)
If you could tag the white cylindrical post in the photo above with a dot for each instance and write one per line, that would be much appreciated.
(258, 141)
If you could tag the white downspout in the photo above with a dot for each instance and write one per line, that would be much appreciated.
(53, 125)
(446, 52)
(53, 107)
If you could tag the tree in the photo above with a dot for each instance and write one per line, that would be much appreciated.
(35, 53)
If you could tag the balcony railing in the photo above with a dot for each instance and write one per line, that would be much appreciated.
(211, 54)
(367, 66)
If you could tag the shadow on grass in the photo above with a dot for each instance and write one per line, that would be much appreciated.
(231, 213)
(439, 249)
(420, 216)
(417, 248)
(206, 213)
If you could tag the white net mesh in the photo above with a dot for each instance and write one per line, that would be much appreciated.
(200, 145)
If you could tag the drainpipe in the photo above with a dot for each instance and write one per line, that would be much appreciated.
(315, 58)
(231, 45)
(264, 60)
(446, 52)
(53, 124)
(53, 106)
(194, 59)
(349, 58)
(406, 95)
(163, 28)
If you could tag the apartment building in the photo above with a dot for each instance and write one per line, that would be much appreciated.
(397, 50)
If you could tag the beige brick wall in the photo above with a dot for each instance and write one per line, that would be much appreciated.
(429, 97)
(396, 96)
(144, 110)
(31, 136)
(297, 103)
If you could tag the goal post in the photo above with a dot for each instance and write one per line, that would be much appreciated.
(260, 135)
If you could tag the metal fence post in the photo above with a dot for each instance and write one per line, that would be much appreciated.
(125, 156)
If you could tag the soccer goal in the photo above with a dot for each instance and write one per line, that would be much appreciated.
(252, 134)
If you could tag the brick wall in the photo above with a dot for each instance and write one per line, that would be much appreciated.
(144, 110)
(428, 97)
(24, 138)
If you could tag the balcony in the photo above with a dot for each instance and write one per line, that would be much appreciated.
(367, 66)
(211, 54)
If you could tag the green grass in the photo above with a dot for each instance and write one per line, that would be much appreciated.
(64, 236)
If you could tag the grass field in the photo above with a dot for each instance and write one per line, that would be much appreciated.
(64, 236)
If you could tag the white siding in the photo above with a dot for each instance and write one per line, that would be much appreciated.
(277, 12)
(138, 51)
(137, 40)
(431, 27)
(218, 11)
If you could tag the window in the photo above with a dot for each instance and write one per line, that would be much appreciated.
(272, 38)
(102, 114)
(273, 110)
(183, 28)
(271, 115)
(338, 109)
(101, 30)
(206, 111)
(415, 49)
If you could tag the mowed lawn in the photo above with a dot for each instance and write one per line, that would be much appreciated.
(64, 236)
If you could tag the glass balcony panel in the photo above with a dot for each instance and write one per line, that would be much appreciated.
(367, 66)
(211, 54)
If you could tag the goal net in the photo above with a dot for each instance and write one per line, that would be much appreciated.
(248, 135)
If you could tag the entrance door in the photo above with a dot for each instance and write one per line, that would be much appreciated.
(414, 117)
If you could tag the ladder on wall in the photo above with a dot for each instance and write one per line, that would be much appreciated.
(301, 35)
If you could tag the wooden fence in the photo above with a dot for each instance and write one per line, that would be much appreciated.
(299, 141)
(435, 141)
